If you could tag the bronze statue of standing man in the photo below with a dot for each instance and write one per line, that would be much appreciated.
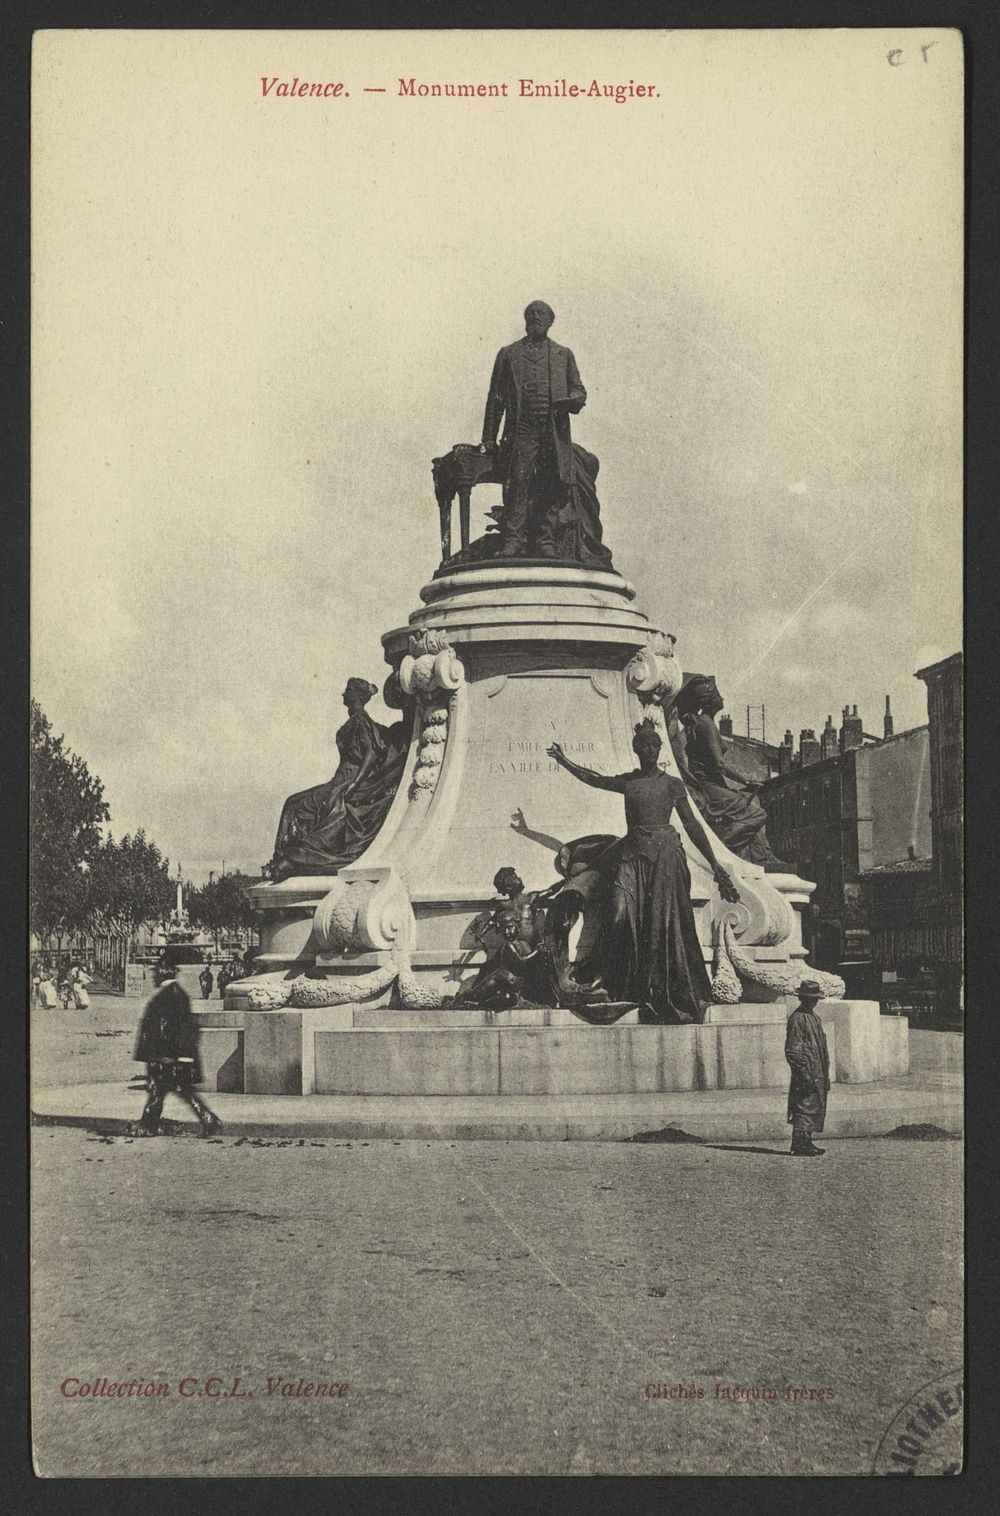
(534, 389)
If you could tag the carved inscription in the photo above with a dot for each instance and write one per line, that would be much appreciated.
(529, 757)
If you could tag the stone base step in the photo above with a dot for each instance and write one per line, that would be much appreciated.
(870, 1110)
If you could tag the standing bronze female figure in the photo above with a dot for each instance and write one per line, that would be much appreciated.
(649, 950)
(331, 824)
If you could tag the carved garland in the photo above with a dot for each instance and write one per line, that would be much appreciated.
(430, 753)
(431, 672)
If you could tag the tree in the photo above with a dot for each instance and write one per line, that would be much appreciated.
(128, 883)
(221, 906)
(67, 809)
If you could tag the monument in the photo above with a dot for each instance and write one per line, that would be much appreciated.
(657, 949)
(190, 948)
(178, 931)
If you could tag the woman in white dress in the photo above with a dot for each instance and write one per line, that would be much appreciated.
(48, 995)
(79, 983)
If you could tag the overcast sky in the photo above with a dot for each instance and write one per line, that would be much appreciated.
(258, 319)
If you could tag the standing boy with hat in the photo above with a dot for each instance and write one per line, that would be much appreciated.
(168, 1045)
(809, 1060)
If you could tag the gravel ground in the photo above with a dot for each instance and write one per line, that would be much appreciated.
(490, 1307)
(87, 1047)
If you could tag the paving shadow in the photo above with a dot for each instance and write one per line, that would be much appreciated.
(731, 1147)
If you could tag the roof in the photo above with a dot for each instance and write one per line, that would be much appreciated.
(952, 661)
(904, 866)
(757, 743)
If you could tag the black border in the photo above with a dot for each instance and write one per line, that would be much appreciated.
(976, 1487)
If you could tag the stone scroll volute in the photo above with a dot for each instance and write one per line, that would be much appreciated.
(654, 673)
(367, 910)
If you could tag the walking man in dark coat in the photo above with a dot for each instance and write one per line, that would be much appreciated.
(809, 1060)
(534, 387)
(168, 1045)
(206, 979)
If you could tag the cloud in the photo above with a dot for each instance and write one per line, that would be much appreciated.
(802, 675)
(838, 618)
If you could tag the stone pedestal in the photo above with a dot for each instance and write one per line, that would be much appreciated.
(337, 1051)
(499, 662)
(371, 1050)
(514, 659)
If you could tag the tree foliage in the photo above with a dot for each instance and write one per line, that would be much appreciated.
(129, 883)
(221, 905)
(67, 809)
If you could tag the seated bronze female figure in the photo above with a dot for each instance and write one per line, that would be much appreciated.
(723, 796)
(325, 827)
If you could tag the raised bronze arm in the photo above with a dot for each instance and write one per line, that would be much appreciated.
(587, 776)
(519, 824)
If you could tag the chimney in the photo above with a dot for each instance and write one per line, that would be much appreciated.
(785, 754)
(809, 748)
(887, 719)
(726, 726)
(828, 742)
(850, 731)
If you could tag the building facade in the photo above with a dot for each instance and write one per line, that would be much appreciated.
(754, 759)
(916, 918)
(845, 803)
(945, 705)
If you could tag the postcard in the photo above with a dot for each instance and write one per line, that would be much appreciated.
(497, 817)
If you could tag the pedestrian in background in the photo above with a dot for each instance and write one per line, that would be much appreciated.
(47, 990)
(206, 979)
(80, 982)
(168, 1045)
(809, 1060)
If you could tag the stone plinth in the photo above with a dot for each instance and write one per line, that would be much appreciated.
(391, 1019)
(221, 1052)
(220, 1047)
(438, 1062)
(604, 1060)
(869, 1045)
(279, 1048)
(337, 1051)
(894, 1032)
